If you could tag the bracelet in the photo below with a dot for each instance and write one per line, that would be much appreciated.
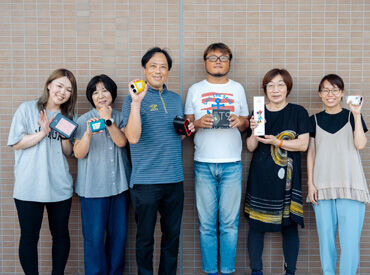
(281, 144)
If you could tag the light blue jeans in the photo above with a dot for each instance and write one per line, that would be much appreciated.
(348, 217)
(218, 191)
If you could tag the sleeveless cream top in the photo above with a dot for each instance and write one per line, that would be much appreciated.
(338, 170)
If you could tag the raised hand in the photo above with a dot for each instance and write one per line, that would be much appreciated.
(105, 112)
(44, 122)
(356, 109)
(137, 97)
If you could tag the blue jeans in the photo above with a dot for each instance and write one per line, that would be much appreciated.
(348, 217)
(218, 191)
(104, 227)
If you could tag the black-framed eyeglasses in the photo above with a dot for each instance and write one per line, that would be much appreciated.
(214, 58)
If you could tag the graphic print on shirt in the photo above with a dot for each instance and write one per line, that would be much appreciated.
(280, 157)
(52, 134)
(153, 107)
(213, 100)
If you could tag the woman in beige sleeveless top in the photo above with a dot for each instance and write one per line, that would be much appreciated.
(337, 185)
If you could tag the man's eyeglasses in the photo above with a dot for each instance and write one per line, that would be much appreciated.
(214, 58)
(336, 92)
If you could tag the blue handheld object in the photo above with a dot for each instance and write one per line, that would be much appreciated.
(96, 126)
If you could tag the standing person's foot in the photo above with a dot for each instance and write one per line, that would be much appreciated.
(214, 273)
(257, 272)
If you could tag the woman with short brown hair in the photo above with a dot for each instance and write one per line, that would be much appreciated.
(273, 198)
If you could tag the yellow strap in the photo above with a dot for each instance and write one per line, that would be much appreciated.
(164, 105)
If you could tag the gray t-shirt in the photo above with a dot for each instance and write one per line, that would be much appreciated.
(41, 171)
(104, 171)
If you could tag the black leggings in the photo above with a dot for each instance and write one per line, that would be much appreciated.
(290, 248)
(30, 216)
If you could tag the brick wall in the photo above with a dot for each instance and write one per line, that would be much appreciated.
(309, 38)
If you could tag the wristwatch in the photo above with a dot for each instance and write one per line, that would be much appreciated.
(109, 122)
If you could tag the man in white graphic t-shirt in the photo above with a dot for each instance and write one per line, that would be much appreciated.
(218, 108)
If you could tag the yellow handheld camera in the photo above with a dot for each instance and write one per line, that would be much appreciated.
(138, 86)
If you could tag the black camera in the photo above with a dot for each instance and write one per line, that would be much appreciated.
(221, 118)
(182, 126)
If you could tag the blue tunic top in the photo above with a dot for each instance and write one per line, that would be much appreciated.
(157, 157)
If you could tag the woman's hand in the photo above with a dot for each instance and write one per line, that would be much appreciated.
(312, 193)
(359, 137)
(269, 139)
(253, 124)
(44, 123)
(105, 112)
(252, 141)
(88, 129)
(356, 109)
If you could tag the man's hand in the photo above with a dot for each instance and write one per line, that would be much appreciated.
(234, 121)
(205, 121)
(137, 97)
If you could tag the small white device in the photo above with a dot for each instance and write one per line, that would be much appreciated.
(355, 99)
(259, 115)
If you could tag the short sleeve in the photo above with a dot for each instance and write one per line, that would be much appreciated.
(353, 123)
(244, 111)
(249, 130)
(72, 138)
(189, 108)
(304, 123)
(18, 128)
(119, 120)
(181, 109)
(313, 125)
(81, 129)
(126, 108)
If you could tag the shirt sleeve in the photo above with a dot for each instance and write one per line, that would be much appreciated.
(18, 128)
(119, 122)
(352, 119)
(189, 108)
(249, 130)
(181, 109)
(244, 111)
(304, 123)
(313, 125)
(73, 137)
(81, 129)
(126, 109)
